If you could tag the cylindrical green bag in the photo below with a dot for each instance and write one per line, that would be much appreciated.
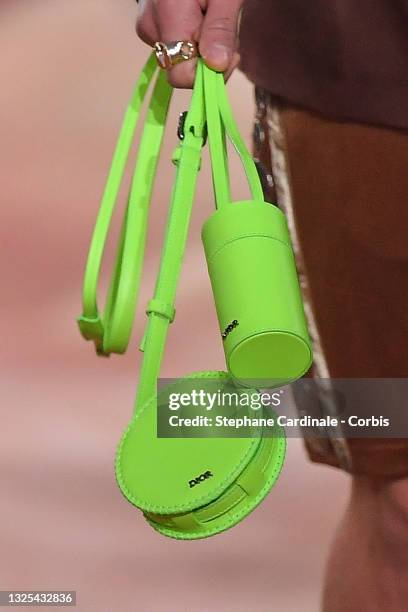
(258, 302)
(251, 266)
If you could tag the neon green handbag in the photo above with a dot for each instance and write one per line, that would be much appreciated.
(156, 473)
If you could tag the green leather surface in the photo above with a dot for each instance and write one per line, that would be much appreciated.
(237, 501)
(270, 344)
(154, 473)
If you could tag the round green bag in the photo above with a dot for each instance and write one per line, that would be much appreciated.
(195, 487)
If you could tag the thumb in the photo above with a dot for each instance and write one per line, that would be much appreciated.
(218, 40)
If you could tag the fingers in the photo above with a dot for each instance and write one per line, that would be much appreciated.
(179, 20)
(213, 23)
(218, 41)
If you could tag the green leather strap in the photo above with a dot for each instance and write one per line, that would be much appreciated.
(220, 122)
(216, 139)
(111, 331)
(187, 158)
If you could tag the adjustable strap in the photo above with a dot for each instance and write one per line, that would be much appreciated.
(111, 331)
(187, 158)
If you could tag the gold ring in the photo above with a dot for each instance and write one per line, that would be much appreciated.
(171, 53)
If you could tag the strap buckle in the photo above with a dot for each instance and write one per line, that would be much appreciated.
(181, 124)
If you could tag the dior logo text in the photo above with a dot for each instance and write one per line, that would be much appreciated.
(200, 479)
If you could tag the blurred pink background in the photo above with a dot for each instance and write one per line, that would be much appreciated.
(67, 70)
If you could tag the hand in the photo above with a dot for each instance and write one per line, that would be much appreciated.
(212, 23)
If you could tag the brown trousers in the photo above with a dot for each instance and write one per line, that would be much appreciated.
(344, 189)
